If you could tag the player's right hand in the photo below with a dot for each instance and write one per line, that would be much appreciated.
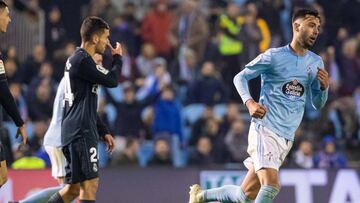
(21, 131)
(256, 110)
(117, 50)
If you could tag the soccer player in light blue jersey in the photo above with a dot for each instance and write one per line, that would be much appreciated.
(289, 76)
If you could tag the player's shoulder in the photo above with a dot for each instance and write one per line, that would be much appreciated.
(275, 51)
(314, 56)
(78, 56)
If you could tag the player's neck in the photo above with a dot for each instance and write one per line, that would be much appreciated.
(297, 48)
(89, 48)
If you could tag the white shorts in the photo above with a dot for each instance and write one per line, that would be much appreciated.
(266, 148)
(58, 161)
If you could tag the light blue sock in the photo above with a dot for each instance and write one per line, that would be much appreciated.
(42, 196)
(266, 194)
(226, 194)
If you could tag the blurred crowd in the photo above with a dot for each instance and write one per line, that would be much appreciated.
(176, 104)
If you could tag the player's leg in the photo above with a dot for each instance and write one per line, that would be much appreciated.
(270, 154)
(58, 163)
(3, 167)
(270, 185)
(88, 190)
(3, 173)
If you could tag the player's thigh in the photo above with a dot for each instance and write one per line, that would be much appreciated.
(88, 189)
(268, 176)
(3, 172)
(251, 184)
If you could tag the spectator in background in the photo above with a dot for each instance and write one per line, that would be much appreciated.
(36, 140)
(103, 9)
(199, 127)
(128, 122)
(328, 157)
(12, 71)
(190, 29)
(202, 155)
(232, 114)
(129, 156)
(208, 89)
(40, 104)
(230, 46)
(156, 29)
(55, 34)
(59, 59)
(303, 157)
(167, 112)
(16, 92)
(146, 61)
(162, 155)
(31, 66)
(236, 141)
(219, 151)
(350, 66)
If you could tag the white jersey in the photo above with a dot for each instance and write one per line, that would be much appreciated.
(53, 134)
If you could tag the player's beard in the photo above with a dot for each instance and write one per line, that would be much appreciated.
(99, 49)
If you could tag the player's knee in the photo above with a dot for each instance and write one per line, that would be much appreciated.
(252, 192)
(73, 191)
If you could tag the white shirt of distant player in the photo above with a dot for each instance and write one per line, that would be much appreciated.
(53, 134)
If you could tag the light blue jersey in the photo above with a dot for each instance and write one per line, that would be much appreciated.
(53, 134)
(287, 80)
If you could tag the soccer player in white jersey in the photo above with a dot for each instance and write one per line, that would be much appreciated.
(290, 75)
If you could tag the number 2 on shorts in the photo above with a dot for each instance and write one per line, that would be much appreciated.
(93, 157)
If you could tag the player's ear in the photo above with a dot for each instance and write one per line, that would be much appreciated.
(95, 39)
(296, 26)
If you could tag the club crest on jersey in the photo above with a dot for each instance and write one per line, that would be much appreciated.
(293, 90)
(2, 68)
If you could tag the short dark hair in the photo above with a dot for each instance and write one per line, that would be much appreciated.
(92, 25)
(302, 12)
(3, 4)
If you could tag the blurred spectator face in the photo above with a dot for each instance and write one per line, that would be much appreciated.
(342, 33)
(208, 69)
(161, 7)
(252, 9)
(33, 4)
(160, 70)
(232, 111)
(167, 94)
(204, 145)
(46, 70)
(39, 53)
(129, 95)
(162, 148)
(233, 10)
(10, 67)
(212, 127)
(306, 148)
(129, 8)
(54, 15)
(189, 5)
(148, 51)
(15, 89)
(4, 19)
(190, 58)
(349, 48)
(238, 127)
(40, 128)
(208, 112)
(11, 53)
(329, 147)
(43, 91)
(69, 48)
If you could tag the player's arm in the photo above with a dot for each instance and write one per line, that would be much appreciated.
(319, 89)
(8, 102)
(100, 75)
(104, 133)
(253, 69)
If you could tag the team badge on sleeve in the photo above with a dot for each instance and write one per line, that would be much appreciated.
(102, 69)
(293, 90)
(2, 67)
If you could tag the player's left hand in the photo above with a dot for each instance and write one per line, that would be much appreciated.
(109, 140)
(323, 76)
(21, 131)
